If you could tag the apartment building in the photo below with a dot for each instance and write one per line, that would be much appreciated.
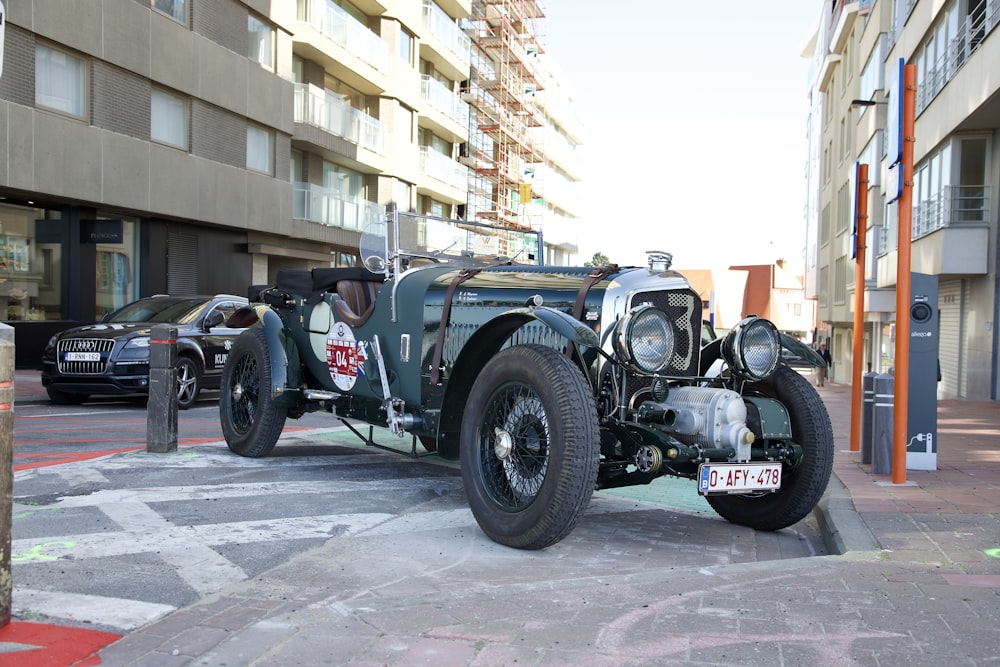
(200, 146)
(955, 48)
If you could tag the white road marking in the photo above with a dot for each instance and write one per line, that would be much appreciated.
(162, 535)
(117, 613)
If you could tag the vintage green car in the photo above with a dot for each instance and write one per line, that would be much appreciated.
(546, 382)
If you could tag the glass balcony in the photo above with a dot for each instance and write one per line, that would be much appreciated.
(447, 31)
(331, 113)
(954, 205)
(341, 28)
(970, 33)
(443, 168)
(329, 207)
(444, 100)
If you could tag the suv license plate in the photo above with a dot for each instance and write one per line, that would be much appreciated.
(82, 356)
(714, 478)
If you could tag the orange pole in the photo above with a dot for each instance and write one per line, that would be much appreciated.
(861, 225)
(900, 412)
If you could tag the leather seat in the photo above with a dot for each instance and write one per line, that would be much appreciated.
(357, 300)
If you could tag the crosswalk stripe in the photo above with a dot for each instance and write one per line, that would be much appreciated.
(116, 613)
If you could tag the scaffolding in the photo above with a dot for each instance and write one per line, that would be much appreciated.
(501, 152)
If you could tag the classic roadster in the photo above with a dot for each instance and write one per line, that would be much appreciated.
(546, 382)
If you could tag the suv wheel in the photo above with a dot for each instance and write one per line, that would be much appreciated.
(529, 447)
(188, 382)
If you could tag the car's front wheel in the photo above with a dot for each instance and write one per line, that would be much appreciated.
(529, 447)
(251, 422)
(188, 382)
(802, 486)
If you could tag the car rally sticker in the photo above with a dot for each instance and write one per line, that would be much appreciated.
(345, 356)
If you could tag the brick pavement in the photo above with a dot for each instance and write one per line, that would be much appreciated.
(928, 593)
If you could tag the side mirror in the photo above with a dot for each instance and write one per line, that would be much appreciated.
(214, 319)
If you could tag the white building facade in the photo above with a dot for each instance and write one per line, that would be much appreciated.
(955, 48)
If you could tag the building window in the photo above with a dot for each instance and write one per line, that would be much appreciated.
(175, 9)
(873, 75)
(824, 226)
(840, 281)
(405, 46)
(844, 213)
(168, 119)
(60, 81)
(258, 149)
(824, 287)
(261, 46)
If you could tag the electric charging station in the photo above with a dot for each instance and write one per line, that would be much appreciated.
(921, 431)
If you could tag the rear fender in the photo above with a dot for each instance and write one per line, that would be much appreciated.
(480, 348)
(284, 375)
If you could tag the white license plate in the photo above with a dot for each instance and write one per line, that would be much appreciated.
(83, 356)
(738, 477)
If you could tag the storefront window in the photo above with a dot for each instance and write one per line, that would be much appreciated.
(34, 251)
(116, 263)
(29, 281)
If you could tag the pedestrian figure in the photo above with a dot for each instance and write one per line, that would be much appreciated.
(827, 362)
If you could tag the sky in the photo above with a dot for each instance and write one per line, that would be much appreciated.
(694, 118)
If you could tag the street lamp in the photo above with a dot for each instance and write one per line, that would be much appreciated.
(865, 103)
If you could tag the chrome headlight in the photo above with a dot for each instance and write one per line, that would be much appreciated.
(644, 339)
(753, 348)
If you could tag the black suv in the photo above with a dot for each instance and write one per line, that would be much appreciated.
(112, 356)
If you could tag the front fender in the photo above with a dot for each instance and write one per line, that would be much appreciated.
(481, 347)
(188, 347)
(563, 324)
(803, 350)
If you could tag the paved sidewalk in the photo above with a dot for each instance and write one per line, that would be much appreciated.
(918, 583)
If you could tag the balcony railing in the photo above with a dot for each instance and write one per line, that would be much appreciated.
(955, 205)
(444, 100)
(447, 31)
(331, 113)
(443, 168)
(971, 33)
(329, 207)
(340, 27)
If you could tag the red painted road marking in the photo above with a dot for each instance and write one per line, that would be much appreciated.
(54, 645)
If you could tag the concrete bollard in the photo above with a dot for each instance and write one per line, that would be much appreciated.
(882, 415)
(161, 411)
(6, 476)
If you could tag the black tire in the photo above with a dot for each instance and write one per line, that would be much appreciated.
(65, 398)
(428, 442)
(251, 422)
(801, 486)
(530, 447)
(188, 382)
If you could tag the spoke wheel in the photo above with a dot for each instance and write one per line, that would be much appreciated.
(801, 486)
(529, 447)
(251, 422)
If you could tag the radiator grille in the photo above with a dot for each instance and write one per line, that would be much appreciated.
(100, 345)
(684, 308)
